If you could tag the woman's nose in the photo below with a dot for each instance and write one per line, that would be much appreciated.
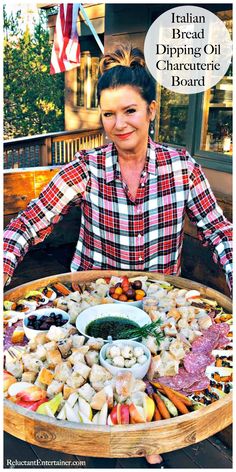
(120, 122)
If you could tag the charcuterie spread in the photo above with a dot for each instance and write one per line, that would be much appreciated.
(57, 371)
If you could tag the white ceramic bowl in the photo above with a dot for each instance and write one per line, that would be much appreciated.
(138, 303)
(30, 332)
(110, 309)
(139, 371)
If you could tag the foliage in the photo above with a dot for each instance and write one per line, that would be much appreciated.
(33, 99)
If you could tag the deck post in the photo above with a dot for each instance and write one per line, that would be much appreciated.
(46, 152)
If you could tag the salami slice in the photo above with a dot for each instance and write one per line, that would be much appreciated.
(180, 381)
(197, 362)
(213, 338)
(203, 344)
(222, 342)
(220, 328)
(198, 386)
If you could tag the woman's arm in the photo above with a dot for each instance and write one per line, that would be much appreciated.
(213, 228)
(36, 222)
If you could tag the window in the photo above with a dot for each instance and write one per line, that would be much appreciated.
(200, 122)
(172, 117)
(213, 119)
(216, 132)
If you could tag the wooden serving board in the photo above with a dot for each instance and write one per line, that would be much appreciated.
(123, 440)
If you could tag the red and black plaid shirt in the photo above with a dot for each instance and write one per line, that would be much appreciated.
(117, 231)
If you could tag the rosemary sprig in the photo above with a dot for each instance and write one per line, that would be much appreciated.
(144, 331)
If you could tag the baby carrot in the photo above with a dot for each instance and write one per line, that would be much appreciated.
(61, 288)
(161, 406)
(182, 397)
(157, 385)
(157, 415)
(177, 402)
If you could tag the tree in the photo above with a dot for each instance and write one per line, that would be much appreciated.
(33, 99)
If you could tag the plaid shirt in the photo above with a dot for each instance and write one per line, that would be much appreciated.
(118, 231)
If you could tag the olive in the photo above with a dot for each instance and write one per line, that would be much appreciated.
(37, 325)
(32, 317)
(44, 326)
(130, 293)
(137, 284)
(118, 284)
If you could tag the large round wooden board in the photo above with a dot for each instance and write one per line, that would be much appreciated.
(118, 441)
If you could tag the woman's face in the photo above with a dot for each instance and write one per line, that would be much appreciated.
(126, 117)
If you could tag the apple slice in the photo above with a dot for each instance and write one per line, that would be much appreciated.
(17, 387)
(85, 409)
(72, 399)
(31, 394)
(96, 418)
(62, 414)
(71, 415)
(32, 406)
(109, 421)
(84, 419)
(113, 415)
(123, 413)
(149, 408)
(50, 407)
(8, 380)
(137, 414)
(102, 419)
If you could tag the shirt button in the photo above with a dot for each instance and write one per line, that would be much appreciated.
(144, 173)
(142, 184)
(140, 258)
(139, 235)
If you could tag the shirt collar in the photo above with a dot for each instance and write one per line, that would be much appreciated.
(112, 165)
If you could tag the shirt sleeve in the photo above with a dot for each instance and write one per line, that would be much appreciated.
(36, 222)
(212, 226)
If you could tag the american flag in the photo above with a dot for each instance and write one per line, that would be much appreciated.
(66, 47)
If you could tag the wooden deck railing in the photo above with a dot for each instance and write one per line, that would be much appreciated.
(49, 149)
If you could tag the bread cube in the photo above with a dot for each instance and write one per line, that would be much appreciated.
(54, 388)
(45, 376)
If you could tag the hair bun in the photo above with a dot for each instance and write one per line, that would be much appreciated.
(126, 56)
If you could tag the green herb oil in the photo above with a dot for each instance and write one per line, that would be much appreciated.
(110, 326)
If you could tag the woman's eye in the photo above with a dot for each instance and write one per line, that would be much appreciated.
(131, 110)
(107, 114)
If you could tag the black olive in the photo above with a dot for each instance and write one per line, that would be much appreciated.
(227, 388)
(37, 325)
(44, 326)
(137, 285)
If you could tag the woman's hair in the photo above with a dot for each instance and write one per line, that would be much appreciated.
(126, 66)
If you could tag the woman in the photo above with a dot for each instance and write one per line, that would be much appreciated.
(133, 193)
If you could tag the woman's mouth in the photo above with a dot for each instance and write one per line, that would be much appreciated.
(124, 135)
